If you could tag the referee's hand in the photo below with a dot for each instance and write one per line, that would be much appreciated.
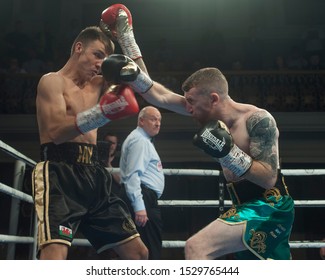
(141, 218)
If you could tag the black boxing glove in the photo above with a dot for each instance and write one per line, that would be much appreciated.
(215, 140)
(118, 68)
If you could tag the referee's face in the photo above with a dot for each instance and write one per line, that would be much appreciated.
(151, 121)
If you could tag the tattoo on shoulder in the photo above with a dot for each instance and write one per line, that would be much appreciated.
(263, 134)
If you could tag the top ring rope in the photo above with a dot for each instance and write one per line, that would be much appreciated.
(210, 172)
(193, 172)
(11, 151)
(303, 172)
(197, 172)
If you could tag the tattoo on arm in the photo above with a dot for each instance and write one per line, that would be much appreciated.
(263, 134)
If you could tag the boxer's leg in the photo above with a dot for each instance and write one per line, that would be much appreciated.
(215, 240)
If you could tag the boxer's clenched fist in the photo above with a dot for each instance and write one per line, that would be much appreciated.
(115, 13)
(116, 104)
(116, 22)
(118, 68)
(215, 139)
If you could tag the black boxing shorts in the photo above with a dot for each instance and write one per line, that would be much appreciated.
(71, 192)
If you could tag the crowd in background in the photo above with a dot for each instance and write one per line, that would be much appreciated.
(43, 51)
(25, 57)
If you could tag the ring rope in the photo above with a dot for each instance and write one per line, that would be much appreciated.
(215, 203)
(14, 153)
(209, 172)
(166, 243)
(15, 193)
(303, 172)
(16, 239)
(197, 172)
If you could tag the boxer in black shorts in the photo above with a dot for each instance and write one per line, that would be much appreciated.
(71, 190)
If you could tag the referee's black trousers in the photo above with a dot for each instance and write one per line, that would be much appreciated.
(151, 233)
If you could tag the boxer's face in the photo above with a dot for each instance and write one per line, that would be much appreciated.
(91, 57)
(199, 105)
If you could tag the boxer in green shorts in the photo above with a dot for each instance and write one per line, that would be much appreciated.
(242, 138)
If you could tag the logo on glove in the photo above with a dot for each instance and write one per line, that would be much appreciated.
(212, 141)
(116, 106)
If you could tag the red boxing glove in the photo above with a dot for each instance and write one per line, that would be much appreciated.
(116, 21)
(112, 106)
(110, 15)
(119, 105)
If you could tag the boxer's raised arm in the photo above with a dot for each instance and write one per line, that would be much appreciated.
(119, 68)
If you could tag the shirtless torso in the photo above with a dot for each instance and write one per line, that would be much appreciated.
(62, 95)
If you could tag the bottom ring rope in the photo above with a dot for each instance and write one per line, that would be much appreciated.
(165, 243)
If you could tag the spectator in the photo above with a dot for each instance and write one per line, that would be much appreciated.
(296, 60)
(313, 43)
(44, 40)
(108, 154)
(314, 62)
(17, 42)
(14, 66)
(33, 64)
(13, 87)
(254, 48)
(280, 63)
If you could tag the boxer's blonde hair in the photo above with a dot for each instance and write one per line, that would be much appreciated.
(207, 80)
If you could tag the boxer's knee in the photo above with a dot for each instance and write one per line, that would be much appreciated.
(192, 250)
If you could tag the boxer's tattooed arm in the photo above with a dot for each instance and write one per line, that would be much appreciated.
(263, 134)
